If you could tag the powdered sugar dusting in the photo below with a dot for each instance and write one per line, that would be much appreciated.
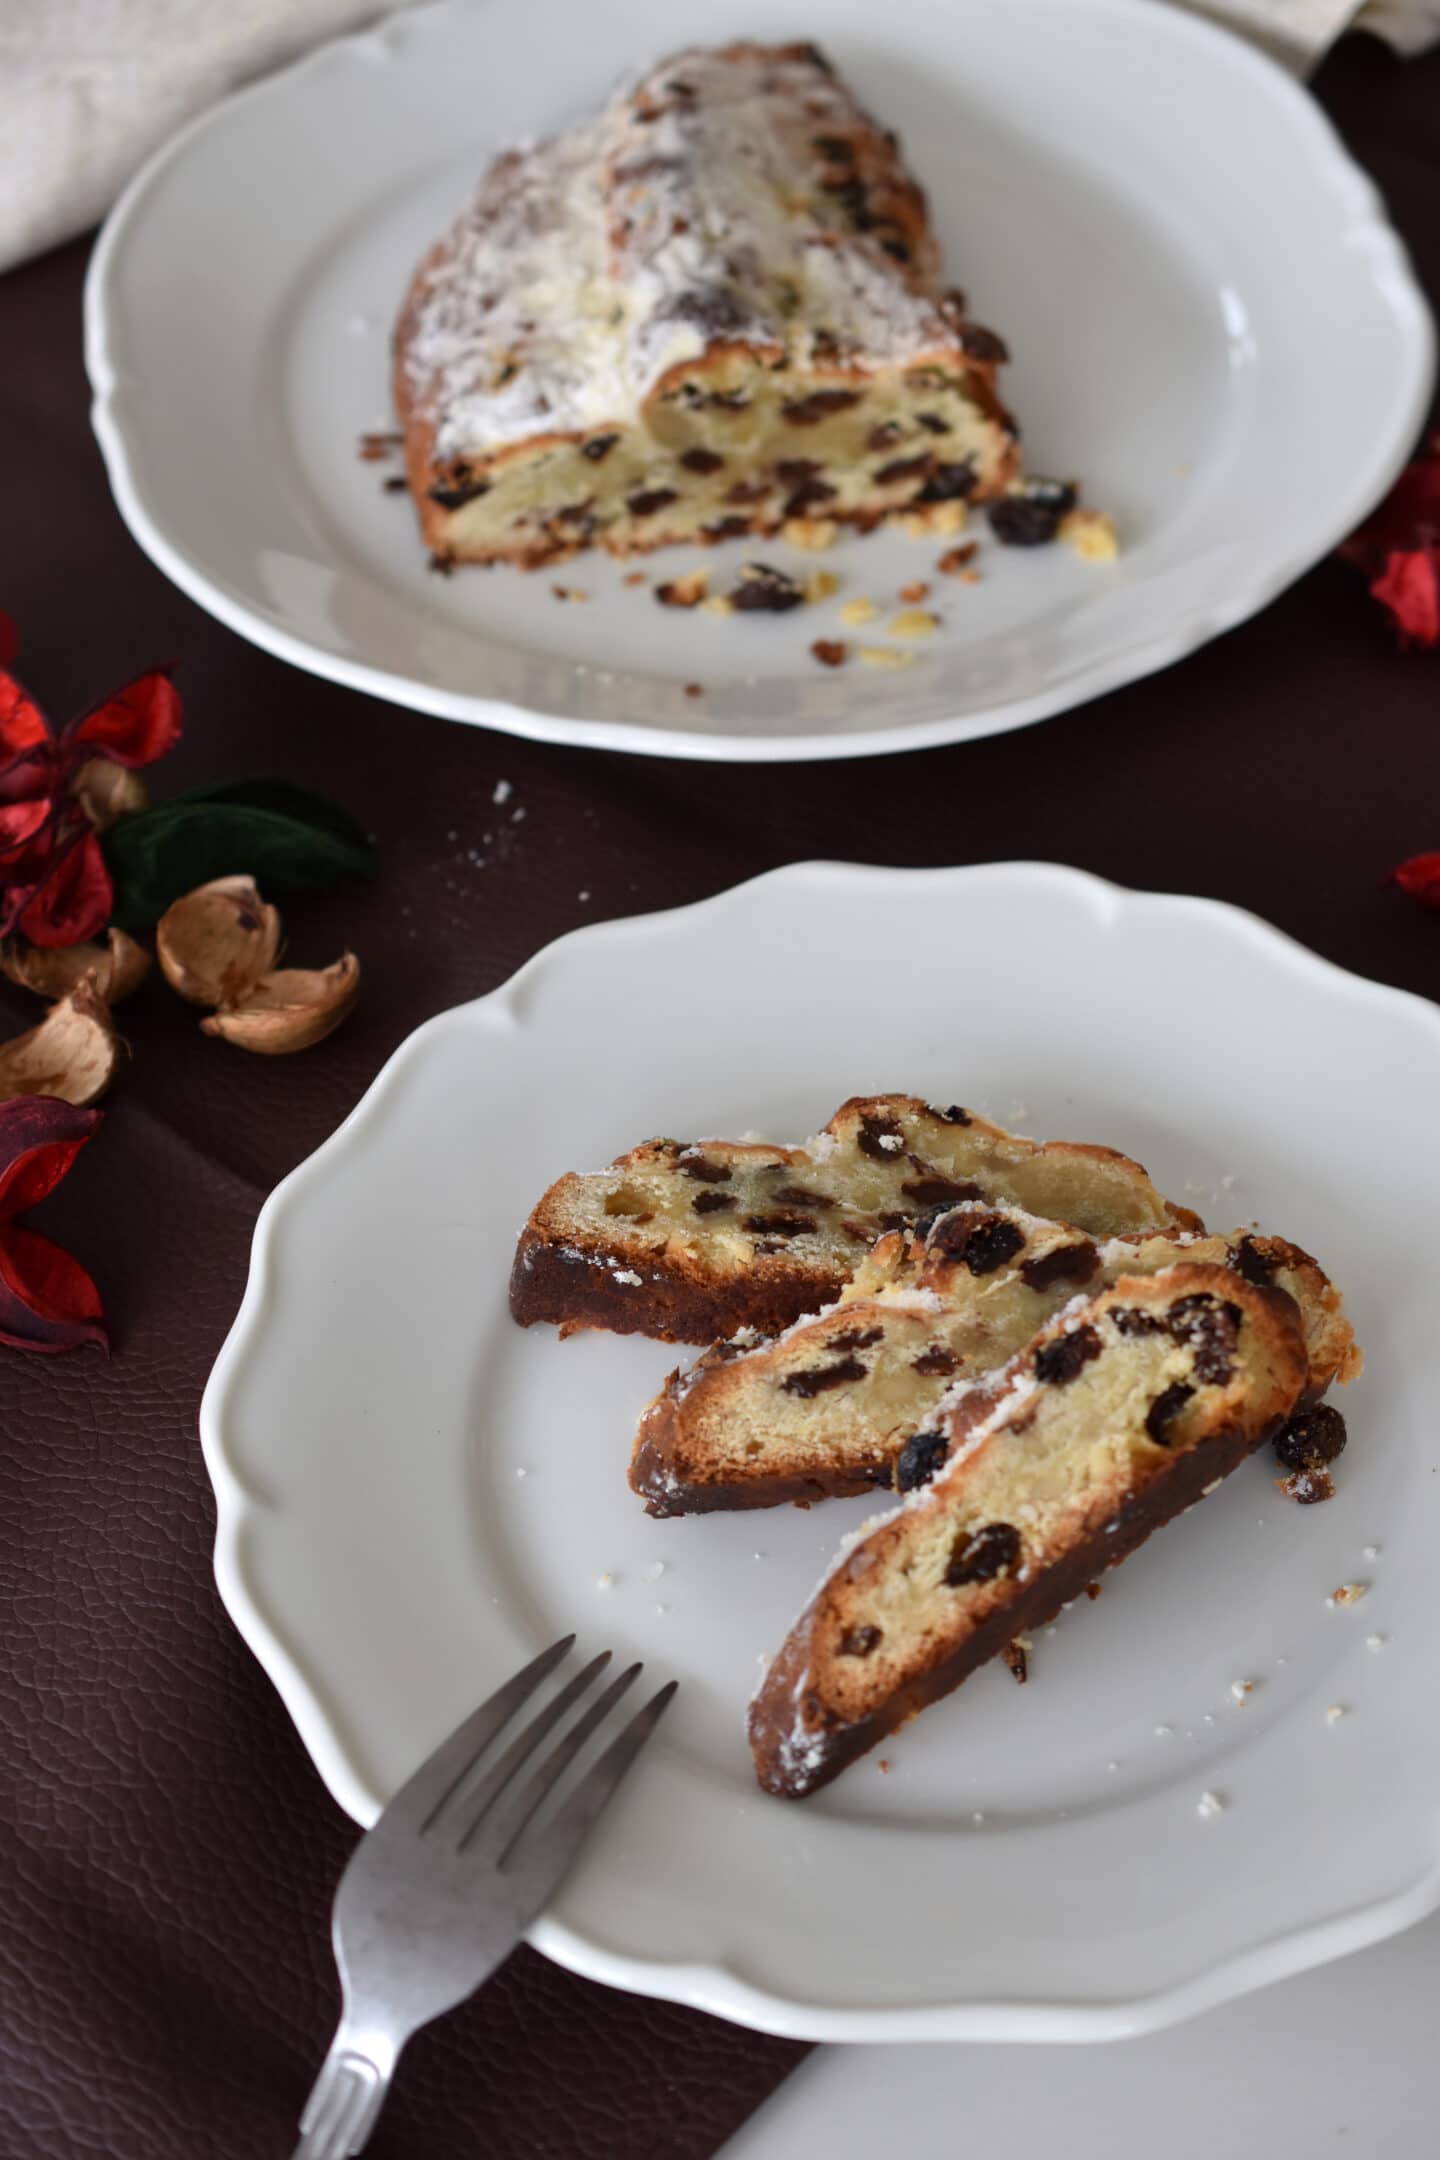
(693, 209)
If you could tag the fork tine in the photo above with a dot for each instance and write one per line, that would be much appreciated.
(564, 1751)
(478, 1803)
(556, 1845)
(426, 1791)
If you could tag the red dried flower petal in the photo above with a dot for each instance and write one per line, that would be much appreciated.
(39, 1140)
(135, 726)
(1409, 587)
(74, 901)
(22, 724)
(1419, 875)
(47, 1300)
(1409, 517)
(19, 824)
(9, 639)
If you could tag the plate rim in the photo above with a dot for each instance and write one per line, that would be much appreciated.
(718, 1987)
(1363, 226)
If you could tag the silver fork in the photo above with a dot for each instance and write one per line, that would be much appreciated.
(444, 1885)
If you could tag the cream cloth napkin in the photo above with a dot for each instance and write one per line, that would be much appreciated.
(93, 86)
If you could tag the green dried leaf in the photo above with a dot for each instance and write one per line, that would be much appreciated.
(287, 839)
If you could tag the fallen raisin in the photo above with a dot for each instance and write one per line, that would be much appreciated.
(830, 652)
(764, 590)
(1314, 1437)
(1031, 516)
(982, 1554)
(1059, 1361)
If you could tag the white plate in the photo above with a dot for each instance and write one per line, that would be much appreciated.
(369, 1420)
(1211, 321)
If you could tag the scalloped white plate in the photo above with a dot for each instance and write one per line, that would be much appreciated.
(415, 1495)
(1211, 321)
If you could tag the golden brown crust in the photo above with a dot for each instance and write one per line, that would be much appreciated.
(1121, 1412)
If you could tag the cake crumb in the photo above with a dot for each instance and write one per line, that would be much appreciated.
(913, 593)
(1349, 1593)
(831, 652)
(1334, 1712)
(717, 604)
(858, 611)
(569, 592)
(913, 622)
(1014, 1657)
(1092, 1590)
(883, 1765)
(635, 577)
(969, 577)
(956, 559)
(1213, 1486)
(1091, 533)
(944, 518)
(821, 585)
(1164, 1732)
(813, 534)
(885, 656)
(1376, 1642)
(1372, 1552)
(606, 1581)
(396, 484)
(694, 689)
(1210, 1803)
(378, 443)
(683, 592)
(1242, 1690)
(503, 792)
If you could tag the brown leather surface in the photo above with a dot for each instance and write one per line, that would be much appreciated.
(166, 1852)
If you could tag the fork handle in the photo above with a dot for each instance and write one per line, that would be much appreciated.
(347, 2096)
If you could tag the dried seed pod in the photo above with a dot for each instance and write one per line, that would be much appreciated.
(289, 1010)
(116, 968)
(216, 943)
(105, 791)
(71, 1055)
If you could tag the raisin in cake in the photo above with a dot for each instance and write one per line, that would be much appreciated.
(1123, 1410)
(847, 1400)
(690, 1241)
(716, 308)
